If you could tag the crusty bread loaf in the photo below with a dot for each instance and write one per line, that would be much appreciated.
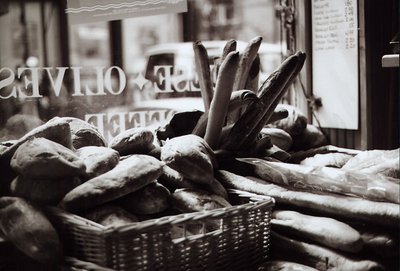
(56, 130)
(133, 141)
(40, 158)
(279, 137)
(98, 160)
(191, 156)
(151, 199)
(172, 179)
(110, 216)
(24, 225)
(189, 200)
(43, 191)
(294, 123)
(128, 176)
(83, 133)
(310, 137)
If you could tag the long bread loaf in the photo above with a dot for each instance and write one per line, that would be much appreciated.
(129, 175)
(381, 213)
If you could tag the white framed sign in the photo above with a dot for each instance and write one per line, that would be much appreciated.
(335, 62)
(89, 11)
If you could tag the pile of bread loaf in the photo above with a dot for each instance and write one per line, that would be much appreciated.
(66, 163)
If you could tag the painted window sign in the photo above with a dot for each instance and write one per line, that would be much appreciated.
(89, 11)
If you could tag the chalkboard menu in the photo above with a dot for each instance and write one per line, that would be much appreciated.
(335, 62)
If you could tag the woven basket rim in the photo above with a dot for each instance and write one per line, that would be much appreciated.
(137, 227)
(194, 216)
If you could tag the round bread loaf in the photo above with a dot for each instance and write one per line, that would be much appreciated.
(294, 123)
(191, 156)
(151, 199)
(279, 137)
(98, 160)
(43, 191)
(110, 215)
(133, 141)
(28, 229)
(84, 134)
(40, 158)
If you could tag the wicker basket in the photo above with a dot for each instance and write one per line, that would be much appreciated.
(234, 238)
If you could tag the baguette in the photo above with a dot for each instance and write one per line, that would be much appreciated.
(376, 213)
(325, 231)
(380, 241)
(201, 125)
(204, 73)
(249, 122)
(239, 99)
(327, 179)
(366, 159)
(220, 102)
(390, 169)
(242, 103)
(253, 77)
(128, 176)
(230, 46)
(271, 98)
(247, 57)
(298, 156)
(333, 159)
(316, 256)
(384, 162)
(278, 114)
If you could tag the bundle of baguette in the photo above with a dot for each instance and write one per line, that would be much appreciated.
(325, 218)
(328, 218)
(333, 204)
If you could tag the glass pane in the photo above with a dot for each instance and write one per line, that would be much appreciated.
(90, 45)
(158, 75)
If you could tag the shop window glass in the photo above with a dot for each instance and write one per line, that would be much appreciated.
(90, 45)
(93, 90)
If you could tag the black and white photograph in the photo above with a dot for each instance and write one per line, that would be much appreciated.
(207, 135)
